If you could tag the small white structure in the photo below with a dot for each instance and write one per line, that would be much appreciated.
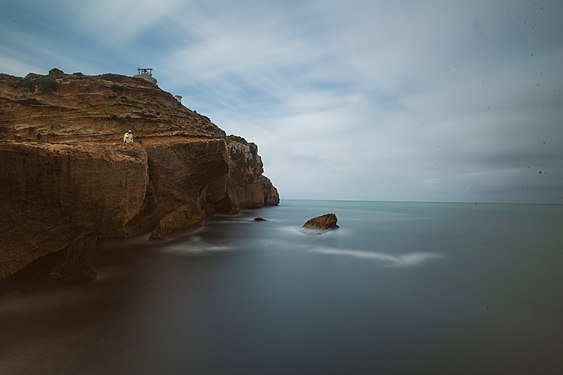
(145, 73)
(178, 98)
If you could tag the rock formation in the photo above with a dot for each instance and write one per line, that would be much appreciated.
(66, 179)
(247, 187)
(323, 222)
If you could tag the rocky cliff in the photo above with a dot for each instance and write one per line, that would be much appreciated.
(246, 185)
(66, 178)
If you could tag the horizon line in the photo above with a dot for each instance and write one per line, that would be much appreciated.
(421, 201)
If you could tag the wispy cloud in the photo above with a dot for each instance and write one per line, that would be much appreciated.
(364, 99)
(117, 22)
(15, 67)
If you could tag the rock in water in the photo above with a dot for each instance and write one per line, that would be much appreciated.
(323, 222)
(259, 219)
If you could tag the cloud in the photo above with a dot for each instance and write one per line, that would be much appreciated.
(366, 100)
(15, 67)
(117, 22)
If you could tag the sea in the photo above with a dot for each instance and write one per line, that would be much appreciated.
(399, 288)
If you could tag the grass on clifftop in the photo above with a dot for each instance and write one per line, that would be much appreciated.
(235, 139)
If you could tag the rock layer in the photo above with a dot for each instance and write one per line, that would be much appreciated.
(66, 179)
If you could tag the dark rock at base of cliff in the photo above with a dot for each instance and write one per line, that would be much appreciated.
(259, 219)
(187, 216)
(55, 195)
(71, 265)
(323, 222)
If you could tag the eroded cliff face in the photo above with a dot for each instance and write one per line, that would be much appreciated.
(66, 179)
(246, 185)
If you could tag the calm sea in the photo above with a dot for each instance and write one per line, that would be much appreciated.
(400, 288)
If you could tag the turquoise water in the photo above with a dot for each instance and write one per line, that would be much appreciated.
(399, 288)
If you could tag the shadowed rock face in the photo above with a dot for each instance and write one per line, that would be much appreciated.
(66, 178)
(323, 222)
(247, 187)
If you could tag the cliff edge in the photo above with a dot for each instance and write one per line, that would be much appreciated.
(67, 179)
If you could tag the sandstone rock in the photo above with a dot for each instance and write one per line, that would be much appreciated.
(97, 108)
(66, 179)
(73, 263)
(246, 186)
(68, 266)
(54, 195)
(186, 216)
(182, 173)
(323, 222)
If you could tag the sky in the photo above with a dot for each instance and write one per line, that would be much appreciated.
(429, 100)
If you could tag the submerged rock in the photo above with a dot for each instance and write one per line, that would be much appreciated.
(259, 219)
(323, 222)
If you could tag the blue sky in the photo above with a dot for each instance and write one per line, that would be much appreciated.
(430, 100)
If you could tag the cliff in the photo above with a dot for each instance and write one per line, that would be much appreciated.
(246, 185)
(66, 178)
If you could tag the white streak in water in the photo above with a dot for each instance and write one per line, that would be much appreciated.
(404, 260)
(197, 248)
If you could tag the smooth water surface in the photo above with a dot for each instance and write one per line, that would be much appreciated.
(399, 288)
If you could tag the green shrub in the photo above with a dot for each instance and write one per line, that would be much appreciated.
(56, 72)
(235, 138)
(34, 81)
(46, 84)
(28, 83)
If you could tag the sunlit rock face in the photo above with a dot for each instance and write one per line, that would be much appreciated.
(67, 179)
(323, 222)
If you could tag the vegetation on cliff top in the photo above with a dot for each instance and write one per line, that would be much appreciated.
(231, 138)
(109, 104)
(43, 83)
